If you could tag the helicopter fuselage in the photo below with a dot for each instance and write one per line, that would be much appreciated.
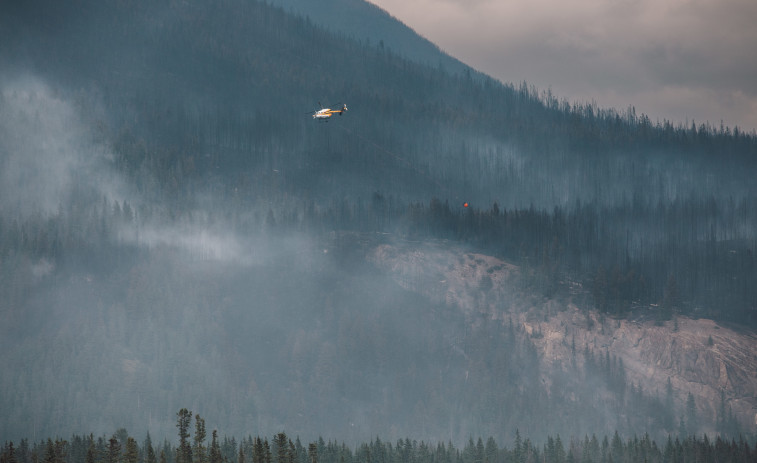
(326, 113)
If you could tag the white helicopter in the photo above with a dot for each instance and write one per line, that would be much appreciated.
(324, 114)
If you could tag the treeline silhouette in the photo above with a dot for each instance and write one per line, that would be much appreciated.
(201, 110)
(122, 448)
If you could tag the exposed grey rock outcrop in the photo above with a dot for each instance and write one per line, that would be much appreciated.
(698, 356)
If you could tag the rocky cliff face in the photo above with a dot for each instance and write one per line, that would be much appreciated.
(698, 356)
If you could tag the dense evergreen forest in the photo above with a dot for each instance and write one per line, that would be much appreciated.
(121, 447)
(175, 228)
(195, 108)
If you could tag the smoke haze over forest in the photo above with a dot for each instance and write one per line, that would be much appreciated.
(176, 230)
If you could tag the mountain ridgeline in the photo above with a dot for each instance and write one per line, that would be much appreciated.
(176, 229)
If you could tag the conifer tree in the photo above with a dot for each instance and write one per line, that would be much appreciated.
(114, 450)
(616, 447)
(215, 449)
(692, 424)
(282, 448)
(491, 450)
(50, 451)
(229, 450)
(682, 431)
(198, 452)
(559, 450)
(9, 454)
(292, 456)
(257, 451)
(518, 454)
(184, 452)
(300, 453)
(91, 451)
(149, 450)
(480, 450)
(668, 412)
(549, 449)
(266, 451)
(23, 452)
(132, 451)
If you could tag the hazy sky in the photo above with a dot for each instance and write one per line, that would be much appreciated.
(671, 59)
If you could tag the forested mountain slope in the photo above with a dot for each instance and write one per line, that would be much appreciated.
(176, 230)
(363, 21)
(682, 373)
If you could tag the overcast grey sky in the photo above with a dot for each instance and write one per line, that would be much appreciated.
(671, 59)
